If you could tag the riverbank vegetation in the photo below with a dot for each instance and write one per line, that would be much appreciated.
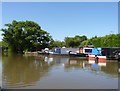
(25, 36)
(21, 36)
(111, 40)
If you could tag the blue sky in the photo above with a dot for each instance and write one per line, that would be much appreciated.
(64, 19)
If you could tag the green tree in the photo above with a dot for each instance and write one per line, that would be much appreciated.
(57, 43)
(25, 35)
(85, 43)
(74, 41)
(0, 43)
(111, 40)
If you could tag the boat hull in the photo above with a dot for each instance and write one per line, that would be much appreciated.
(100, 58)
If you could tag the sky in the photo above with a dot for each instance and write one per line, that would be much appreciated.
(60, 0)
(62, 19)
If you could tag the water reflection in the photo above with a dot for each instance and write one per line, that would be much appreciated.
(96, 65)
(75, 63)
(104, 66)
(20, 71)
(37, 71)
(111, 68)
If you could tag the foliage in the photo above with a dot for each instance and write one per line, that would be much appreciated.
(25, 35)
(57, 43)
(0, 43)
(85, 43)
(111, 40)
(74, 41)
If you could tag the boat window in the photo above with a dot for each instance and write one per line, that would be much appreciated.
(88, 50)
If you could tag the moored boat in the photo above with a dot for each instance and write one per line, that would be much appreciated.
(93, 57)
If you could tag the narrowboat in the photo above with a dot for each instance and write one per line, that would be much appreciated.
(101, 53)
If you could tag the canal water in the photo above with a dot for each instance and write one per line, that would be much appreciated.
(57, 72)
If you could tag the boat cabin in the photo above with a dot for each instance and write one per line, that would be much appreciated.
(89, 51)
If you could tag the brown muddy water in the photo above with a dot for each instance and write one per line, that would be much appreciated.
(57, 72)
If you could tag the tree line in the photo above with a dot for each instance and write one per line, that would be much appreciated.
(111, 40)
(21, 36)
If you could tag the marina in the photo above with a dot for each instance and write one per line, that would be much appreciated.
(59, 45)
(83, 52)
